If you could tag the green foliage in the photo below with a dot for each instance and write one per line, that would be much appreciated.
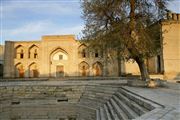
(108, 24)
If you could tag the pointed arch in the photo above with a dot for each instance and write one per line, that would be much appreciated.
(19, 70)
(19, 52)
(97, 52)
(58, 49)
(83, 51)
(57, 67)
(97, 69)
(33, 52)
(84, 68)
(33, 70)
(82, 46)
(58, 54)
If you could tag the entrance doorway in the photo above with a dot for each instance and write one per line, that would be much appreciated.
(21, 72)
(97, 69)
(83, 71)
(33, 70)
(35, 73)
(60, 71)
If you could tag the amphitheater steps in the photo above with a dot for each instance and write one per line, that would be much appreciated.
(103, 114)
(101, 87)
(146, 104)
(90, 103)
(140, 110)
(95, 96)
(94, 99)
(109, 117)
(126, 109)
(120, 113)
(98, 115)
(124, 105)
(112, 112)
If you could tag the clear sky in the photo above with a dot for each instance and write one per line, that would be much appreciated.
(30, 19)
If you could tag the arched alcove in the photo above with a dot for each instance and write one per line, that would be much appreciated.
(33, 70)
(58, 62)
(59, 54)
(97, 52)
(97, 69)
(19, 52)
(19, 70)
(84, 69)
(83, 51)
(33, 52)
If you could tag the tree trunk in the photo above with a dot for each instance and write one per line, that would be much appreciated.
(140, 61)
(132, 15)
(119, 63)
(143, 69)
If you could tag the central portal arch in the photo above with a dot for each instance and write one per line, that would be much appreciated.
(58, 62)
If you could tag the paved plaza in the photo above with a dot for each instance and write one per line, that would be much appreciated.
(96, 97)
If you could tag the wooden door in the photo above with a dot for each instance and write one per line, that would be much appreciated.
(97, 71)
(83, 71)
(21, 72)
(59, 71)
(35, 73)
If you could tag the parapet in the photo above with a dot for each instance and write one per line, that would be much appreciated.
(173, 16)
(58, 37)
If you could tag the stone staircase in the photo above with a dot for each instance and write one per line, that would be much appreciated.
(96, 95)
(74, 100)
(115, 103)
(123, 106)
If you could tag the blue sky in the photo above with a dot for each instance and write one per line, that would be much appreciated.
(30, 19)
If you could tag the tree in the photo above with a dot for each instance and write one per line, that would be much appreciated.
(130, 27)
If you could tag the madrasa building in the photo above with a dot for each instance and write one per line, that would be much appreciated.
(63, 55)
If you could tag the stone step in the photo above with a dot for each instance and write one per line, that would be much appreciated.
(102, 87)
(107, 112)
(112, 111)
(104, 91)
(42, 112)
(121, 114)
(102, 114)
(106, 86)
(128, 111)
(139, 100)
(96, 96)
(140, 110)
(31, 119)
(98, 93)
(98, 115)
(100, 100)
(90, 103)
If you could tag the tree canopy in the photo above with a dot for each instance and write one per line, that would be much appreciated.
(131, 27)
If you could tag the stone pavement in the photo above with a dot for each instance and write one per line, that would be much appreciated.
(168, 96)
(65, 82)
